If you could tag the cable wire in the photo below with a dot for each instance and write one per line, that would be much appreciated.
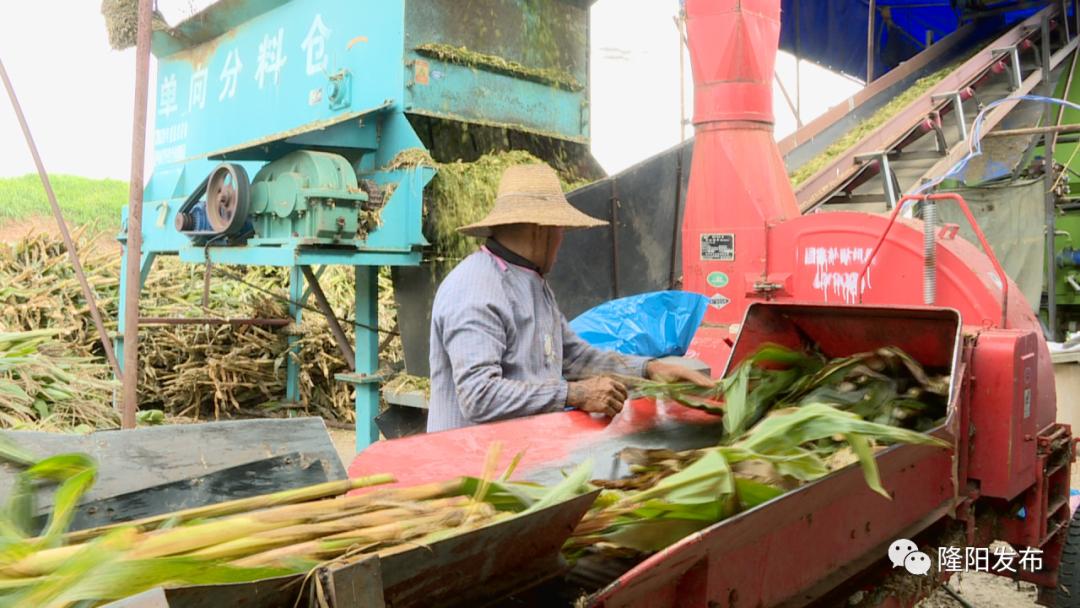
(975, 138)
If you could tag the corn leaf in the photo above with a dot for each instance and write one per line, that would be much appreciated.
(123, 578)
(753, 493)
(61, 466)
(18, 514)
(65, 500)
(11, 452)
(861, 447)
(654, 534)
(737, 407)
(574, 484)
(817, 421)
(797, 462)
(706, 480)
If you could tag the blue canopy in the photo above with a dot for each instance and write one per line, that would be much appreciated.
(832, 33)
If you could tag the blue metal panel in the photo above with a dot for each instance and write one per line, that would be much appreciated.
(296, 312)
(293, 254)
(276, 67)
(367, 354)
(476, 95)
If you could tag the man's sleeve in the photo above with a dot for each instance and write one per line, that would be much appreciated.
(475, 340)
(580, 360)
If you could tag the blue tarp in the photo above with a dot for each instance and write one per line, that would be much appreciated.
(832, 33)
(657, 324)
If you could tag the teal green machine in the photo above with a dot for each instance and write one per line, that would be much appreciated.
(279, 125)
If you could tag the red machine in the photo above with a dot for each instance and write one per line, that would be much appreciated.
(848, 282)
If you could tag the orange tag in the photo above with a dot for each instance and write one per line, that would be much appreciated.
(421, 72)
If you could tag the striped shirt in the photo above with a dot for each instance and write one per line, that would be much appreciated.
(501, 349)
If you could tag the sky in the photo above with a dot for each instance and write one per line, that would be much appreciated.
(77, 93)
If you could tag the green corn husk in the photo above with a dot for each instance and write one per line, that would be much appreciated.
(286, 502)
(284, 533)
(789, 418)
(281, 536)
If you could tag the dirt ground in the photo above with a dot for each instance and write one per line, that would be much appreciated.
(983, 590)
(13, 230)
(344, 443)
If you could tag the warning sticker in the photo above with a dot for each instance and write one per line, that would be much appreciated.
(719, 301)
(718, 246)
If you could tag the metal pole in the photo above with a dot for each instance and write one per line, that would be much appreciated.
(682, 76)
(798, 64)
(146, 321)
(134, 222)
(871, 45)
(787, 99)
(366, 296)
(1050, 201)
(73, 253)
(1058, 129)
(331, 320)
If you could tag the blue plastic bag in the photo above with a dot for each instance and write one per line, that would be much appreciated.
(658, 324)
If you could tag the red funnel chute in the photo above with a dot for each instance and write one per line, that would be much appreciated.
(738, 184)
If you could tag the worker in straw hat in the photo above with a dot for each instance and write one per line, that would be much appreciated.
(500, 348)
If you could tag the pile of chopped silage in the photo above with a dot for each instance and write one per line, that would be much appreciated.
(462, 193)
(864, 128)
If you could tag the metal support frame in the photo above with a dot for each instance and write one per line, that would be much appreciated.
(787, 98)
(798, 64)
(614, 222)
(892, 194)
(995, 116)
(1065, 20)
(296, 313)
(871, 41)
(149, 321)
(1014, 60)
(366, 363)
(956, 98)
(1050, 201)
(840, 170)
(331, 318)
(130, 378)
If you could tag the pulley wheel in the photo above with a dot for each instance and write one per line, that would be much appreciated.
(227, 198)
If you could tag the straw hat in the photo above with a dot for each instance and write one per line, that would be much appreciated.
(531, 194)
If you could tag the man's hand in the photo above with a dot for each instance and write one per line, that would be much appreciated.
(669, 372)
(597, 395)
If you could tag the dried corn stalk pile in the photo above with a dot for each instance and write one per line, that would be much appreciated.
(789, 418)
(190, 370)
(122, 22)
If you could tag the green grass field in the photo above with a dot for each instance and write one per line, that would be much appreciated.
(96, 202)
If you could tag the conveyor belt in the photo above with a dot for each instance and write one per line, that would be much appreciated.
(929, 135)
